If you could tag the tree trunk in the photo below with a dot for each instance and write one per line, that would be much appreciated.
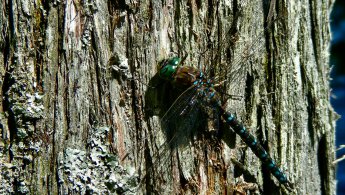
(81, 104)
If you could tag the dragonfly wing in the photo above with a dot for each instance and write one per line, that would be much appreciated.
(180, 121)
(178, 124)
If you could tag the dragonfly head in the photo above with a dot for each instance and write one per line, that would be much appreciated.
(167, 68)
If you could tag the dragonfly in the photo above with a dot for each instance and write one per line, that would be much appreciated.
(201, 93)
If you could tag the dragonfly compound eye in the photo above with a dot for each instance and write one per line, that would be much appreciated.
(167, 68)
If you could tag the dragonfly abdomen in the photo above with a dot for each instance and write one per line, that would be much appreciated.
(258, 150)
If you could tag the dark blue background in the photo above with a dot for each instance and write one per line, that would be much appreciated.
(338, 83)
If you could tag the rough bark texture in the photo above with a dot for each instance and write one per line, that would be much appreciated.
(78, 116)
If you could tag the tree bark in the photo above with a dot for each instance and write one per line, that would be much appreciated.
(81, 104)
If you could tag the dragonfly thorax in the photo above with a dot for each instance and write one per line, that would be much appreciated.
(181, 76)
(187, 76)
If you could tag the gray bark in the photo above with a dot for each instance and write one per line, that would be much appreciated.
(79, 114)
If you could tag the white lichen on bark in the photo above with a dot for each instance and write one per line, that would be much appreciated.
(71, 69)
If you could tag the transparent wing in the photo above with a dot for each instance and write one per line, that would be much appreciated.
(180, 121)
(233, 69)
(179, 124)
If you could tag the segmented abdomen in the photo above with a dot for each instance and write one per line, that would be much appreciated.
(258, 150)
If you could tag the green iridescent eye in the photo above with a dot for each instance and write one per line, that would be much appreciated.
(167, 68)
(175, 61)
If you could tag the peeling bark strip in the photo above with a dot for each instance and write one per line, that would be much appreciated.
(81, 104)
